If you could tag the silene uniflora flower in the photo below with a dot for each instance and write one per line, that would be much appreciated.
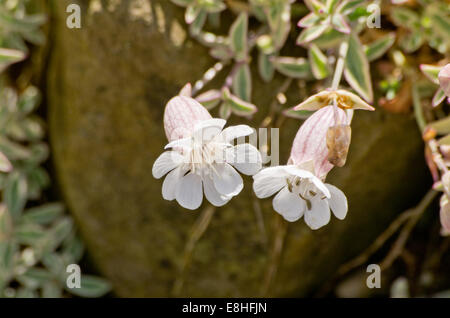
(299, 187)
(202, 157)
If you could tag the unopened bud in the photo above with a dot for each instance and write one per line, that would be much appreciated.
(338, 143)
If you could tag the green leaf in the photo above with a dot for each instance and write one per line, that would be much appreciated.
(213, 6)
(331, 5)
(319, 62)
(73, 248)
(30, 234)
(348, 6)
(340, 24)
(297, 114)
(438, 97)
(34, 277)
(60, 231)
(279, 18)
(308, 20)
(357, 70)
(441, 126)
(329, 39)
(91, 287)
(242, 83)
(197, 25)
(431, 72)
(311, 33)
(379, 47)
(10, 56)
(5, 164)
(210, 99)
(12, 150)
(292, 67)
(43, 214)
(404, 17)
(192, 12)
(29, 100)
(238, 37)
(237, 105)
(412, 41)
(183, 3)
(15, 194)
(225, 110)
(265, 67)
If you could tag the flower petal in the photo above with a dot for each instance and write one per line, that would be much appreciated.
(337, 202)
(233, 132)
(269, 181)
(189, 193)
(171, 182)
(227, 181)
(296, 171)
(319, 214)
(184, 143)
(166, 161)
(245, 158)
(206, 130)
(289, 205)
(212, 194)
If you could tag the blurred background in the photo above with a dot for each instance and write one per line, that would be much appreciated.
(81, 124)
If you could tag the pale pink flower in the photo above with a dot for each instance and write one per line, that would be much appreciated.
(202, 159)
(299, 186)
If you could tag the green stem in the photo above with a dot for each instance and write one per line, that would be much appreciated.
(418, 112)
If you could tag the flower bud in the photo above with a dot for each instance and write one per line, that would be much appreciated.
(181, 115)
(444, 79)
(338, 143)
(310, 143)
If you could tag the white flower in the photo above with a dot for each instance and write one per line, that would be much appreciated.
(300, 193)
(206, 162)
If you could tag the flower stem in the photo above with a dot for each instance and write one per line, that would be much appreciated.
(197, 231)
(343, 49)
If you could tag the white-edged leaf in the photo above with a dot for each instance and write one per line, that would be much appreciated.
(265, 67)
(431, 72)
(238, 37)
(357, 69)
(292, 67)
(242, 82)
(311, 33)
(210, 99)
(91, 287)
(318, 62)
(15, 194)
(438, 98)
(379, 47)
(10, 56)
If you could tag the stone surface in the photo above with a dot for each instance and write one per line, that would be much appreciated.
(108, 83)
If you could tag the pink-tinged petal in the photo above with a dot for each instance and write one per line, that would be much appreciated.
(181, 115)
(444, 79)
(445, 214)
(310, 143)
